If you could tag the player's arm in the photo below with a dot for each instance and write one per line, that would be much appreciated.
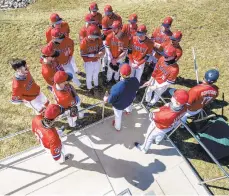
(71, 47)
(67, 28)
(16, 95)
(55, 149)
(105, 28)
(130, 51)
(125, 50)
(107, 48)
(101, 51)
(113, 96)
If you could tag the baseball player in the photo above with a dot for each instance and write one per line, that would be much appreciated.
(49, 65)
(91, 50)
(164, 74)
(116, 47)
(65, 46)
(47, 134)
(164, 119)
(122, 95)
(25, 90)
(140, 49)
(66, 96)
(202, 94)
(56, 21)
(107, 22)
(89, 20)
(130, 29)
(93, 8)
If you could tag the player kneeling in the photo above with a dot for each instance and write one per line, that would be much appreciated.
(47, 134)
(67, 97)
(164, 119)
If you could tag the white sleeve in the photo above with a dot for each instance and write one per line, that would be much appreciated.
(108, 52)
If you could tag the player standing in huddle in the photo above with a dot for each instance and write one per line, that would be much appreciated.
(57, 22)
(164, 119)
(65, 46)
(47, 134)
(25, 90)
(116, 47)
(164, 74)
(130, 29)
(93, 8)
(91, 50)
(202, 94)
(140, 49)
(49, 65)
(66, 97)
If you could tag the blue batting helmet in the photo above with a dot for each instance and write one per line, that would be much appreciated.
(211, 76)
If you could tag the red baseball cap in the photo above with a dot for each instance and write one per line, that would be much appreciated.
(54, 17)
(62, 76)
(133, 18)
(169, 51)
(93, 31)
(125, 70)
(181, 96)
(177, 35)
(47, 51)
(93, 7)
(52, 111)
(167, 22)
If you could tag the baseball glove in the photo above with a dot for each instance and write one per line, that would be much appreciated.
(114, 67)
(74, 111)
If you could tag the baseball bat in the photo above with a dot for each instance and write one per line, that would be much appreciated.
(195, 65)
(223, 104)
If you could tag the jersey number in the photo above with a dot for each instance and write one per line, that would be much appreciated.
(206, 100)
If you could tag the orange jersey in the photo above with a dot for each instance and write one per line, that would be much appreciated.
(178, 49)
(48, 71)
(84, 33)
(98, 18)
(116, 45)
(167, 118)
(66, 49)
(165, 73)
(140, 49)
(201, 95)
(160, 37)
(64, 97)
(47, 136)
(91, 47)
(108, 21)
(64, 28)
(129, 30)
(24, 89)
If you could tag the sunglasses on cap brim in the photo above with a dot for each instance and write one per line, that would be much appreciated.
(140, 33)
(174, 39)
(166, 25)
(91, 22)
(108, 13)
(70, 76)
(95, 10)
(132, 21)
(93, 36)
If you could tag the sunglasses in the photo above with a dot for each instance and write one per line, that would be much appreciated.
(166, 25)
(132, 21)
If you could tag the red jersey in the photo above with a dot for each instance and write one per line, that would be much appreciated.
(64, 28)
(48, 71)
(129, 30)
(165, 73)
(24, 89)
(98, 18)
(47, 136)
(108, 21)
(201, 95)
(116, 45)
(160, 37)
(140, 49)
(65, 97)
(66, 49)
(167, 118)
(91, 47)
(84, 32)
(178, 49)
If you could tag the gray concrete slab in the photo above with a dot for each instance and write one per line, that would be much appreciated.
(104, 162)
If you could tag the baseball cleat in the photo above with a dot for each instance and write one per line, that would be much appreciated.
(138, 146)
(127, 113)
(113, 124)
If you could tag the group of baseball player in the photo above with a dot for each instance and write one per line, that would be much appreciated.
(123, 52)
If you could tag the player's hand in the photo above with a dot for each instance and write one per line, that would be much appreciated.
(146, 83)
(134, 66)
(113, 61)
(105, 98)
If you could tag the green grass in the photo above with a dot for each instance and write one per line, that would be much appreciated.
(204, 24)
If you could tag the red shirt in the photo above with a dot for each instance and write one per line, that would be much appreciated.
(91, 47)
(47, 136)
(108, 21)
(160, 37)
(64, 28)
(66, 49)
(140, 49)
(201, 95)
(64, 97)
(166, 117)
(116, 45)
(24, 89)
(165, 73)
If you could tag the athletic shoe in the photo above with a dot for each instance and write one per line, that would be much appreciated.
(113, 124)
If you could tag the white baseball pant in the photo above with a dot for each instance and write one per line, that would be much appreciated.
(69, 68)
(137, 72)
(38, 104)
(92, 73)
(104, 59)
(153, 134)
(111, 71)
(74, 66)
(72, 120)
(190, 113)
(158, 92)
(118, 116)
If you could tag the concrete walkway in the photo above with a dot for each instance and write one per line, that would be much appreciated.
(104, 163)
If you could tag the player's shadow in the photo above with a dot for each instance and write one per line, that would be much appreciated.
(134, 173)
(186, 82)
